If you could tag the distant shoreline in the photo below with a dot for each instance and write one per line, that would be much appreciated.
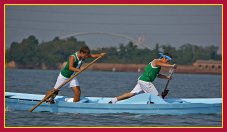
(140, 67)
(205, 68)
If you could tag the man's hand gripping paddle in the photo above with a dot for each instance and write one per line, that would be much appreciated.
(166, 91)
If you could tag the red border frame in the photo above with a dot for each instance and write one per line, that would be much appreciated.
(2, 2)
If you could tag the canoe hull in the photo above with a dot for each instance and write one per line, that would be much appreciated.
(166, 108)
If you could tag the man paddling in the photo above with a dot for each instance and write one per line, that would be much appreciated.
(151, 71)
(73, 65)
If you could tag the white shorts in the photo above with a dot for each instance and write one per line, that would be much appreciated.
(147, 87)
(61, 79)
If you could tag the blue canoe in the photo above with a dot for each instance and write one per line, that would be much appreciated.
(143, 103)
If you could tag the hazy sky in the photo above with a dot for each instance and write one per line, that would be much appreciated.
(175, 25)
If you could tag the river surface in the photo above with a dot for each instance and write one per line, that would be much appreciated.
(110, 84)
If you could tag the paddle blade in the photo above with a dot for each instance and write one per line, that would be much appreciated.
(164, 93)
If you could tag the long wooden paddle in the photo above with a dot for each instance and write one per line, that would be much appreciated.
(166, 91)
(53, 91)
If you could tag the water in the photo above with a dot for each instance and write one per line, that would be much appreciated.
(110, 84)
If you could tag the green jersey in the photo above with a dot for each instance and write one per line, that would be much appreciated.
(150, 73)
(77, 63)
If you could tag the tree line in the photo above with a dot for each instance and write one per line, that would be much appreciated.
(29, 52)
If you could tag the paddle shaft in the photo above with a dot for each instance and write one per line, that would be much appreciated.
(171, 73)
(53, 91)
(165, 91)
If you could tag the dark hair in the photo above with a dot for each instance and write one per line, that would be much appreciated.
(85, 49)
(168, 55)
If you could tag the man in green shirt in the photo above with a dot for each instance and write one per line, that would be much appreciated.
(144, 82)
(73, 65)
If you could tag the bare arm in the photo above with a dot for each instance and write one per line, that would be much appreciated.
(96, 55)
(71, 67)
(158, 63)
(163, 76)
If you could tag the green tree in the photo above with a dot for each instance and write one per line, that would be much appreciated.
(30, 53)
(24, 52)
